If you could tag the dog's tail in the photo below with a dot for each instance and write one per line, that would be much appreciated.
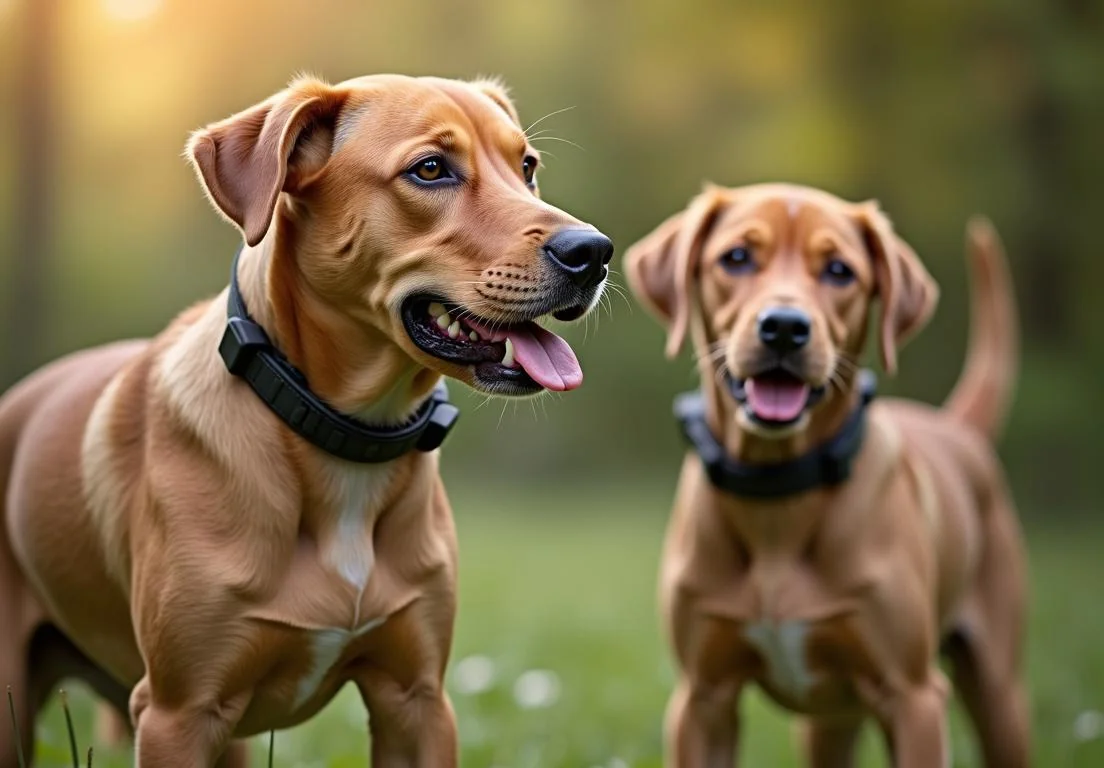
(983, 394)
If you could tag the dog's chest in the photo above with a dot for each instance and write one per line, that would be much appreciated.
(325, 648)
(785, 600)
(344, 544)
(782, 647)
(353, 498)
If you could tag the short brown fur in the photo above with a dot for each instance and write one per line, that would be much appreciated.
(854, 587)
(168, 539)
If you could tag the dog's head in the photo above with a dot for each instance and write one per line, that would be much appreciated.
(414, 210)
(776, 283)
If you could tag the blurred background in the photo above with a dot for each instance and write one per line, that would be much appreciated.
(939, 111)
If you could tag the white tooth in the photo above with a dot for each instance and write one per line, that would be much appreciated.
(508, 358)
(454, 330)
(436, 309)
(473, 336)
(444, 321)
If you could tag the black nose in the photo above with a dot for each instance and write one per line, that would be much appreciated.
(581, 254)
(784, 329)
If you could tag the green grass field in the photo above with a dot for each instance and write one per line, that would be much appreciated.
(559, 660)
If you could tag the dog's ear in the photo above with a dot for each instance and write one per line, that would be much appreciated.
(280, 145)
(907, 293)
(495, 90)
(661, 267)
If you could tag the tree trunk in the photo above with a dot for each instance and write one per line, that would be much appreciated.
(22, 338)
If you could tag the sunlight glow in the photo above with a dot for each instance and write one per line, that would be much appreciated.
(129, 10)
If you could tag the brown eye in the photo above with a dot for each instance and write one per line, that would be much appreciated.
(837, 272)
(430, 169)
(529, 169)
(738, 261)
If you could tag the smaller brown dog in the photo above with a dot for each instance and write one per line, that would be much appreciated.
(821, 548)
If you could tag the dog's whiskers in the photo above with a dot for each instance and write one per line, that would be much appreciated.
(714, 352)
(535, 123)
(606, 303)
(557, 138)
(619, 291)
(851, 366)
(486, 400)
(835, 378)
(718, 376)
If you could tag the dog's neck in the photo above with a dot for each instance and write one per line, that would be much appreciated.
(355, 367)
(825, 422)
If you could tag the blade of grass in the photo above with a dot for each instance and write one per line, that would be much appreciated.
(69, 727)
(271, 747)
(22, 761)
(90, 757)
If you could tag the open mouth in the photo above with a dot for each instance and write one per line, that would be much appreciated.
(774, 398)
(506, 358)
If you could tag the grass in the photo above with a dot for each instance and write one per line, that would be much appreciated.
(559, 660)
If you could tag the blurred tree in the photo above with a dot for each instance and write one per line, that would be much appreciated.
(31, 231)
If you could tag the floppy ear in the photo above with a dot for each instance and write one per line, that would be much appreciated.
(279, 145)
(661, 267)
(907, 293)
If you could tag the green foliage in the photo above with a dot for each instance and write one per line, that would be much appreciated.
(19, 756)
(69, 729)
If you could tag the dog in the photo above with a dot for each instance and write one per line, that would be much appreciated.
(218, 545)
(820, 547)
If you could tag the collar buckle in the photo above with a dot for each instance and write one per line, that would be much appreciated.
(442, 418)
(241, 340)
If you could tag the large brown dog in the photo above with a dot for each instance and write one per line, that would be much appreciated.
(170, 540)
(834, 596)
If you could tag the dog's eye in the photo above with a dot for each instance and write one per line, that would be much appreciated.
(836, 271)
(430, 169)
(738, 260)
(529, 169)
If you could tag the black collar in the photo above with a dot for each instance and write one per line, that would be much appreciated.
(827, 464)
(248, 353)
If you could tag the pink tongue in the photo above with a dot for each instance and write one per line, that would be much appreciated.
(548, 359)
(776, 399)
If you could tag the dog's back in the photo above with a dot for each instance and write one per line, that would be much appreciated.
(42, 422)
(953, 456)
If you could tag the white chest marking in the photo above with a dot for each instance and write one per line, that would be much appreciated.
(782, 645)
(357, 493)
(326, 647)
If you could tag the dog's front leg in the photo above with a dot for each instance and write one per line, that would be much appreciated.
(914, 721)
(186, 735)
(402, 683)
(412, 726)
(831, 741)
(703, 725)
